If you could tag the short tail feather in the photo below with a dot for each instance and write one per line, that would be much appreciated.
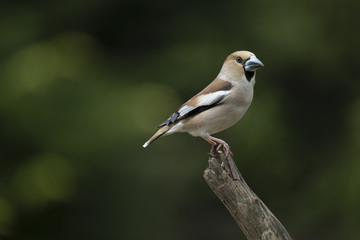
(158, 134)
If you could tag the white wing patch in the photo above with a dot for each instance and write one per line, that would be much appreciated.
(211, 98)
(204, 100)
(185, 110)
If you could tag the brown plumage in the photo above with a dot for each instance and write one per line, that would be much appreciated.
(216, 85)
(158, 134)
(219, 105)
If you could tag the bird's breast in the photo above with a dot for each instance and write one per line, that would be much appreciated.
(218, 118)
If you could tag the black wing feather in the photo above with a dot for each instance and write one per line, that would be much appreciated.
(176, 116)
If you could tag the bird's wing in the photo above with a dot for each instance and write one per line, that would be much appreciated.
(211, 96)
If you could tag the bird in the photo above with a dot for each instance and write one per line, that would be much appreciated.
(219, 105)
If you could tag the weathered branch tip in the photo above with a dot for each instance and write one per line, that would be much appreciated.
(252, 216)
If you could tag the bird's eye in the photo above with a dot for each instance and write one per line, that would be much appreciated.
(239, 59)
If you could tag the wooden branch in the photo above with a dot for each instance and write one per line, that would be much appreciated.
(252, 216)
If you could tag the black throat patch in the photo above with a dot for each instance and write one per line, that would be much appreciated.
(249, 75)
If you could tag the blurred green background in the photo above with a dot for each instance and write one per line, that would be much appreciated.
(84, 83)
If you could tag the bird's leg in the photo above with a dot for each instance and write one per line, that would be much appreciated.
(221, 144)
(213, 144)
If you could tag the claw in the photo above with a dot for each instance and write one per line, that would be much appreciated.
(219, 144)
(212, 151)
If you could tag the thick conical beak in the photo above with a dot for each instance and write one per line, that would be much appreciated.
(252, 64)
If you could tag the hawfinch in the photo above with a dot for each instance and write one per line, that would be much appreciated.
(218, 106)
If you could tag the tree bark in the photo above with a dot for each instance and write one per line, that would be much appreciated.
(252, 216)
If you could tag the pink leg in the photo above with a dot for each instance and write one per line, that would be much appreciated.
(213, 144)
(220, 144)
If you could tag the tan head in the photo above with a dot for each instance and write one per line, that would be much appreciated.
(240, 65)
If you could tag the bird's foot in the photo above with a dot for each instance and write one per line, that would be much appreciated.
(212, 150)
(225, 147)
(221, 145)
(218, 145)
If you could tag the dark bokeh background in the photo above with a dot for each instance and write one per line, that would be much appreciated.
(83, 83)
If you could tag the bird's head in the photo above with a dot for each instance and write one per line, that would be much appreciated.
(240, 65)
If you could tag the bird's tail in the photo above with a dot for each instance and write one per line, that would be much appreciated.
(158, 134)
